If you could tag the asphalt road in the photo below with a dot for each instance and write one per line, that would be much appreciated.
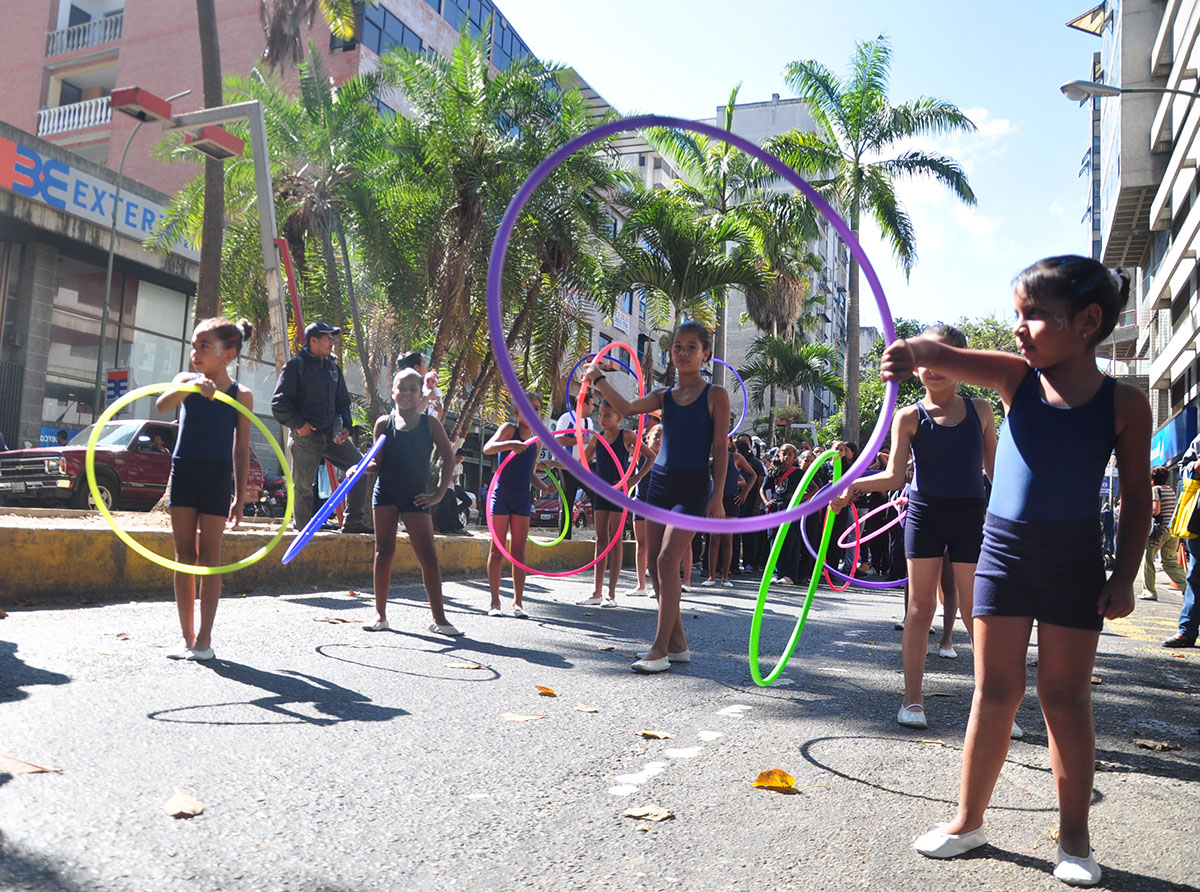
(332, 759)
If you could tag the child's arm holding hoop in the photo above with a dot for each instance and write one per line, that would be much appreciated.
(904, 428)
(1001, 372)
(648, 403)
(1133, 424)
(446, 453)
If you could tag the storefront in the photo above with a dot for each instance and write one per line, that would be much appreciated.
(1171, 440)
(55, 217)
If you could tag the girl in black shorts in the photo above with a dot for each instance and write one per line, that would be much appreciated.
(952, 440)
(211, 453)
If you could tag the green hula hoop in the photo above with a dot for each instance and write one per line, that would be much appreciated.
(566, 515)
(193, 569)
(776, 548)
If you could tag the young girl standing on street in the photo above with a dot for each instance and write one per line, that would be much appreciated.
(212, 454)
(402, 466)
(1041, 557)
(695, 416)
(953, 443)
(607, 515)
(513, 505)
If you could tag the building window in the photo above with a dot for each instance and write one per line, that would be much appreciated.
(627, 302)
(340, 45)
(507, 47)
(477, 12)
(435, 5)
(381, 31)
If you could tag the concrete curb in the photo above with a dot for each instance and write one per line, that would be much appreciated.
(70, 562)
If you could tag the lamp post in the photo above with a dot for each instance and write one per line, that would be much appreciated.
(1085, 90)
(144, 115)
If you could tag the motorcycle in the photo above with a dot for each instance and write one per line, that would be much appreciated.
(273, 498)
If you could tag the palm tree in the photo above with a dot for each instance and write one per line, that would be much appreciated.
(791, 364)
(856, 125)
(284, 21)
(678, 260)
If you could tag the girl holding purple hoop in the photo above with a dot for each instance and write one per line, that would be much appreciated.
(695, 422)
(951, 439)
(1041, 558)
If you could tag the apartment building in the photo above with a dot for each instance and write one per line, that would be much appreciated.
(1146, 153)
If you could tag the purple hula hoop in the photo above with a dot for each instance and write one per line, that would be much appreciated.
(509, 374)
(862, 583)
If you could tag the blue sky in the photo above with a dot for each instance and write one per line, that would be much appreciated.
(1000, 62)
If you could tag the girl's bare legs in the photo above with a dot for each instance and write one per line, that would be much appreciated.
(419, 526)
(675, 548)
(1000, 646)
(495, 560)
(923, 576)
(725, 550)
(183, 533)
(948, 591)
(520, 534)
(1064, 684)
(639, 535)
(617, 556)
(603, 525)
(386, 520)
(964, 584)
(212, 529)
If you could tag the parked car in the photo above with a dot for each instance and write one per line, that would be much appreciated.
(547, 512)
(133, 463)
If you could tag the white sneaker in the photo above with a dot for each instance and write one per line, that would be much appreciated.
(589, 602)
(446, 629)
(609, 602)
(948, 652)
(708, 583)
(1076, 871)
(726, 584)
(636, 593)
(1016, 733)
(912, 716)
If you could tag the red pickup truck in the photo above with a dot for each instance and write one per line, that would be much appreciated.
(133, 463)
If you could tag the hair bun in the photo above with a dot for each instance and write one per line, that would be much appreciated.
(246, 327)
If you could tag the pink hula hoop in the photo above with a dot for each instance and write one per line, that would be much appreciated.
(641, 425)
(491, 523)
(899, 518)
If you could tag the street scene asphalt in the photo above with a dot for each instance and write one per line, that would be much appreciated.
(332, 759)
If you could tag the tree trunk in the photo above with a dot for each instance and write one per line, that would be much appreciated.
(208, 291)
(771, 411)
(332, 286)
(360, 336)
(850, 405)
(719, 351)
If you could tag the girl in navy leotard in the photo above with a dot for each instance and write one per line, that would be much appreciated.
(952, 440)
(513, 505)
(1041, 557)
(695, 419)
(212, 453)
(402, 466)
(651, 441)
(608, 515)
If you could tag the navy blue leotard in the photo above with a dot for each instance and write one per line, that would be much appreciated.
(403, 466)
(680, 479)
(202, 462)
(512, 494)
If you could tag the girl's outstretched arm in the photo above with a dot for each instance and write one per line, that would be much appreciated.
(446, 453)
(1133, 424)
(648, 403)
(1001, 372)
(504, 439)
(904, 428)
(987, 424)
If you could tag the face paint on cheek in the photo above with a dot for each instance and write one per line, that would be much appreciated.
(1061, 320)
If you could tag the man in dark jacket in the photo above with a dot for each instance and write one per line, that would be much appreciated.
(312, 401)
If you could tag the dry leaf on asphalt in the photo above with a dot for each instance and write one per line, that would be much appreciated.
(465, 664)
(649, 813)
(331, 619)
(940, 694)
(521, 717)
(3, 615)
(544, 691)
(645, 828)
(1096, 679)
(1158, 745)
(362, 646)
(124, 636)
(581, 708)
(182, 805)
(653, 735)
(930, 742)
(9, 765)
(775, 779)
(605, 647)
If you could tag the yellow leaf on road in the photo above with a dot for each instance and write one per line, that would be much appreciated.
(654, 735)
(182, 805)
(1158, 745)
(775, 779)
(465, 664)
(522, 717)
(331, 619)
(545, 691)
(582, 708)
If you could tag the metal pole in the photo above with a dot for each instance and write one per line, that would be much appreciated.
(267, 231)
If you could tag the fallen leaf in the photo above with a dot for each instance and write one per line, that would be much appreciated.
(643, 827)
(521, 717)
(352, 593)
(9, 765)
(465, 664)
(775, 779)
(581, 708)
(930, 742)
(362, 646)
(654, 735)
(3, 615)
(124, 636)
(1158, 745)
(182, 805)
(1096, 679)
(1101, 765)
(649, 813)
(545, 691)
(331, 619)
(605, 647)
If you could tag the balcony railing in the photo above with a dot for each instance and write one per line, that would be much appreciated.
(78, 37)
(76, 116)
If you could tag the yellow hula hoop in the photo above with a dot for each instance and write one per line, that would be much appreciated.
(194, 569)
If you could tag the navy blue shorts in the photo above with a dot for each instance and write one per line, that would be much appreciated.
(685, 491)
(201, 483)
(1050, 571)
(385, 496)
(511, 503)
(936, 525)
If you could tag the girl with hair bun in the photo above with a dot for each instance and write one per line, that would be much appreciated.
(211, 459)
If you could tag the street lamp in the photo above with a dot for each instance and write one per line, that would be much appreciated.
(1082, 91)
(144, 107)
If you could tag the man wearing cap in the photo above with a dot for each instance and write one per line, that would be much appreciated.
(312, 401)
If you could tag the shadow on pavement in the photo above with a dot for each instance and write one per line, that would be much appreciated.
(287, 687)
(15, 674)
(1116, 880)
